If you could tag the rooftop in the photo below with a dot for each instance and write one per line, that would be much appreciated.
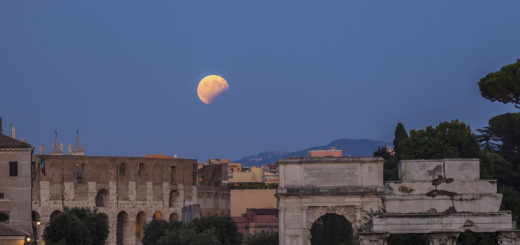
(8, 142)
(330, 159)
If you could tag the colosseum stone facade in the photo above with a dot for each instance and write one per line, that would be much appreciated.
(129, 190)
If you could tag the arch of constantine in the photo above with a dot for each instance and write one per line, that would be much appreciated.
(440, 198)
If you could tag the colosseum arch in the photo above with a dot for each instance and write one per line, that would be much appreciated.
(314, 213)
(332, 228)
(54, 214)
(158, 215)
(102, 198)
(123, 229)
(140, 221)
(174, 217)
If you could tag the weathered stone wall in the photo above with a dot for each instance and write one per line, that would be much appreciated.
(212, 190)
(312, 187)
(129, 190)
(16, 201)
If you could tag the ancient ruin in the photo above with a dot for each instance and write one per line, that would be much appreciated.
(440, 198)
(129, 190)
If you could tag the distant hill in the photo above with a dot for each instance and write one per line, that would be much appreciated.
(350, 147)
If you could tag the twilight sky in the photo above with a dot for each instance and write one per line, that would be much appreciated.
(301, 73)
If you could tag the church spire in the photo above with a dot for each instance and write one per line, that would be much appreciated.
(77, 150)
(55, 148)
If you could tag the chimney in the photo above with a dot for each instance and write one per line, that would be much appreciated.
(0, 125)
(13, 131)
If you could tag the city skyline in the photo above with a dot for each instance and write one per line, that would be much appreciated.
(300, 73)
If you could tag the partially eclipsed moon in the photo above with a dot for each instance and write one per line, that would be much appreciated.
(210, 87)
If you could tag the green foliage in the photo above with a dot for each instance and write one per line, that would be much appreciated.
(331, 229)
(503, 85)
(382, 152)
(62, 242)
(488, 142)
(77, 226)
(505, 129)
(154, 230)
(224, 228)
(188, 236)
(264, 238)
(448, 140)
(211, 230)
(470, 238)
(399, 136)
(510, 200)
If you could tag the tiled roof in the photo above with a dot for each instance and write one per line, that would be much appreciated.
(8, 142)
(6, 230)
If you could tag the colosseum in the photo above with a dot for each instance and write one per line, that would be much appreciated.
(129, 190)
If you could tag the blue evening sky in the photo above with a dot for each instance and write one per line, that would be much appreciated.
(301, 73)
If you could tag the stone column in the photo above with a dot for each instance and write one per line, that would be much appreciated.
(444, 238)
(373, 238)
(508, 238)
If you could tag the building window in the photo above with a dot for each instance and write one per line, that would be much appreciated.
(1, 195)
(79, 172)
(172, 174)
(122, 169)
(4, 217)
(13, 169)
(140, 169)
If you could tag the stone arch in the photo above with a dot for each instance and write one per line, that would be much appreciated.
(35, 218)
(140, 221)
(158, 215)
(332, 228)
(173, 197)
(123, 229)
(54, 214)
(348, 212)
(102, 198)
(174, 217)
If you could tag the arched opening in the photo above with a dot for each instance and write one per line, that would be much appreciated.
(4, 217)
(102, 198)
(122, 230)
(158, 215)
(55, 213)
(331, 229)
(140, 220)
(173, 197)
(35, 218)
(174, 217)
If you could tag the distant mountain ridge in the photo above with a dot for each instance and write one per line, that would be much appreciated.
(350, 147)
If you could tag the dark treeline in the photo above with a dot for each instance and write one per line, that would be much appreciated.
(497, 146)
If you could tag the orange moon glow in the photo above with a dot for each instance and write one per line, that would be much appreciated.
(210, 87)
